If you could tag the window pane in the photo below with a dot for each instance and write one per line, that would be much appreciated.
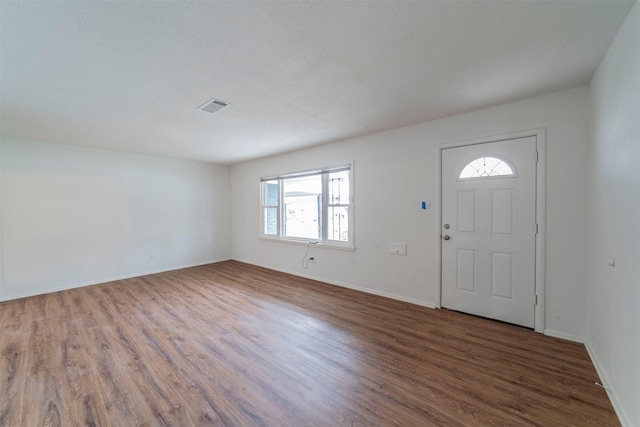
(486, 166)
(338, 227)
(271, 221)
(339, 188)
(270, 193)
(302, 207)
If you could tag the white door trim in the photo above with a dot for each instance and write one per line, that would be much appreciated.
(541, 142)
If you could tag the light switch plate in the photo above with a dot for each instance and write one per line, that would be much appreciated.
(398, 248)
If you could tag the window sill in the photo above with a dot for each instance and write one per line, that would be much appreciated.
(322, 245)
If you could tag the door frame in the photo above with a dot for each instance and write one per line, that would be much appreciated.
(541, 143)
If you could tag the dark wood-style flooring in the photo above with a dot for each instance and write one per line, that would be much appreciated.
(238, 345)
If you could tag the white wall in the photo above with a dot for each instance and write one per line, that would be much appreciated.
(613, 315)
(73, 216)
(394, 171)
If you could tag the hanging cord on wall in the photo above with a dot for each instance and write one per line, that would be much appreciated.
(305, 260)
(602, 386)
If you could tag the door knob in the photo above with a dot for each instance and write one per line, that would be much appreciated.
(446, 237)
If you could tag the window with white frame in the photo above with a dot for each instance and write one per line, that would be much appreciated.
(309, 206)
(486, 167)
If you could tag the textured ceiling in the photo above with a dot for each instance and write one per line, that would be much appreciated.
(129, 76)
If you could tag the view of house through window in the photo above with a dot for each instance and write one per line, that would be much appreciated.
(270, 208)
(309, 206)
(303, 207)
(338, 206)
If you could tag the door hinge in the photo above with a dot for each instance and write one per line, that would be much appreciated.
(537, 156)
(535, 229)
(536, 299)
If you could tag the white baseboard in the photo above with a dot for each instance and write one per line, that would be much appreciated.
(564, 336)
(106, 280)
(344, 285)
(604, 380)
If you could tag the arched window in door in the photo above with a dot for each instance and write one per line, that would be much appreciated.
(486, 167)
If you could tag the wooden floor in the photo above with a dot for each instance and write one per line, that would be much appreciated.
(237, 345)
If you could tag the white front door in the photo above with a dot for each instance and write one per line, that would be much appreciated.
(488, 230)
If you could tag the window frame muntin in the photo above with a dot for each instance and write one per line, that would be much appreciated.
(495, 156)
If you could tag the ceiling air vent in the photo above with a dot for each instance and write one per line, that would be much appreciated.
(213, 106)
